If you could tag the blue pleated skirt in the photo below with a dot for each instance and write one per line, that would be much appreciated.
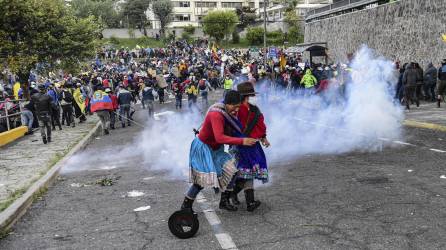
(210, 168)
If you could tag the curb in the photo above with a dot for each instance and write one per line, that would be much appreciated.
(12, 135)
(425, 125)
(18, 208)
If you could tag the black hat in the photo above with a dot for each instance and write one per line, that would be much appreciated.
(41, 87)
(232, 97)
(246, 89)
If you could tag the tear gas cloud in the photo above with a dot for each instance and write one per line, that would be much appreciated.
(331, 123)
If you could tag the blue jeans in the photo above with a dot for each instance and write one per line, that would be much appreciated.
(27, 119)
(193, 191)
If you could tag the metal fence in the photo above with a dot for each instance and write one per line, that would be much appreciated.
(338, 5)
(10, 114)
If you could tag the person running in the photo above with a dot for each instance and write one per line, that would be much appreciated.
(251, 161)
(210, 165)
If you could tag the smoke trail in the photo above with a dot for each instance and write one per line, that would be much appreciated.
(336, 122)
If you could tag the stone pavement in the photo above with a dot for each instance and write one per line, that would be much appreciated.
(27, 159)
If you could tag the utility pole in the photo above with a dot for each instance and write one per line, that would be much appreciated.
(265, 16)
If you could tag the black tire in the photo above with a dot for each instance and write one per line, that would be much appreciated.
(183, 218)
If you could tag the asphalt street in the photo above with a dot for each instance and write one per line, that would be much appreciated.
(392, 199)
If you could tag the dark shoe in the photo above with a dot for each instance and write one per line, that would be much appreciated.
(129, 124)
(54, 128)
(44, 140)
(49, 139)
(123, 125)
(106, 131)
(187, 204)
(60, 128)
(251, 204)
(112, 127)
(225, 203)
(418, 104)
(234, 194)
(438, 103)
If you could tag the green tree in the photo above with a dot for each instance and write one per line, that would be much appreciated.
(293, 21)
(134, 11)
(246, 15)
(44, 32)
(163, 10)
(220, 23)
(103, 10)
(189, 29)
(254, 36)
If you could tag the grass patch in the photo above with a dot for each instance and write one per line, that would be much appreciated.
(12, 197)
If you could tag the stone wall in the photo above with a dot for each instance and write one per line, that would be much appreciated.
(407, 30)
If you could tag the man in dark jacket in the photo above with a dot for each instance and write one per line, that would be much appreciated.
(124, 100)
(66, 102)
(430, 82)
(42, 105)
(410, 79)
(441, 88)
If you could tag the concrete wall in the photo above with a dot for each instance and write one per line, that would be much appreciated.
(124, 33)
(407, 30)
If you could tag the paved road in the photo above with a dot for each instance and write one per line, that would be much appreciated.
(394, 199)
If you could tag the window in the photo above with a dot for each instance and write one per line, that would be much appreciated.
(181, 4)
(231, 5)
(183, 18)
(206, 4)
(252, 5)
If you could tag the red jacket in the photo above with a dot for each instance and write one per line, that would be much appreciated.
(259, 130)
(212, 132)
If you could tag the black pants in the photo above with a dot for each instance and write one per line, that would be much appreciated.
(67, 114)
(112, 118)
(44, 123)
(55, 117)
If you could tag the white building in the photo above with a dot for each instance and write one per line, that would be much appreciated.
(191, 12)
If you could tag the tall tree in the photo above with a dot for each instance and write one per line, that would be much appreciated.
(44, 31)
(163, 10)
(220, 23)
(104, 10)
(134, 11)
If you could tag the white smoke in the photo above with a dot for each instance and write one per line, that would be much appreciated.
(333, 123)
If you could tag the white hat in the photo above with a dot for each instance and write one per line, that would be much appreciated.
(107, 90)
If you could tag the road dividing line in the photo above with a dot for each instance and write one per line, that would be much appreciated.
(403, 143)
(425, 125)
(437, 150)
(226, 241)
(223, 238)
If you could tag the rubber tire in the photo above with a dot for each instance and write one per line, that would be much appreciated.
(183, 235)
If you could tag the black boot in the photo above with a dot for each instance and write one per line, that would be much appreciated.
(187, 204)
(49, 139)
(438, 103)
(225, 203)
(234, 194)
(44, 140)
(251, 204)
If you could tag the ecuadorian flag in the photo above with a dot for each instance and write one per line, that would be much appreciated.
(100, 101)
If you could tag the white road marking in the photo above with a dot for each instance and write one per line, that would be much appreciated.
(437, 150)
(223, 238)
(410, 170)
(403, 143)
(212, 217)
(225, 241)
(443, 176)
(139, 209)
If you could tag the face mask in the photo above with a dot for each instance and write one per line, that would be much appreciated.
(252, 100)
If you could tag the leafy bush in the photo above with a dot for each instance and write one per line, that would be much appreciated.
(275, 37)
(189, 29)
(255, 36)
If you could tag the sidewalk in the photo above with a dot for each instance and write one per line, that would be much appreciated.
(24, 161)
(427, 116)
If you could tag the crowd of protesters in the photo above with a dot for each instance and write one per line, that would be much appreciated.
(120, 78)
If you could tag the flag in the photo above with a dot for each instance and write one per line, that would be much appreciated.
(444, 37)
(282, 61)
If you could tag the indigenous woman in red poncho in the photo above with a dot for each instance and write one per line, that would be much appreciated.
(251, 161)
(210, 165)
